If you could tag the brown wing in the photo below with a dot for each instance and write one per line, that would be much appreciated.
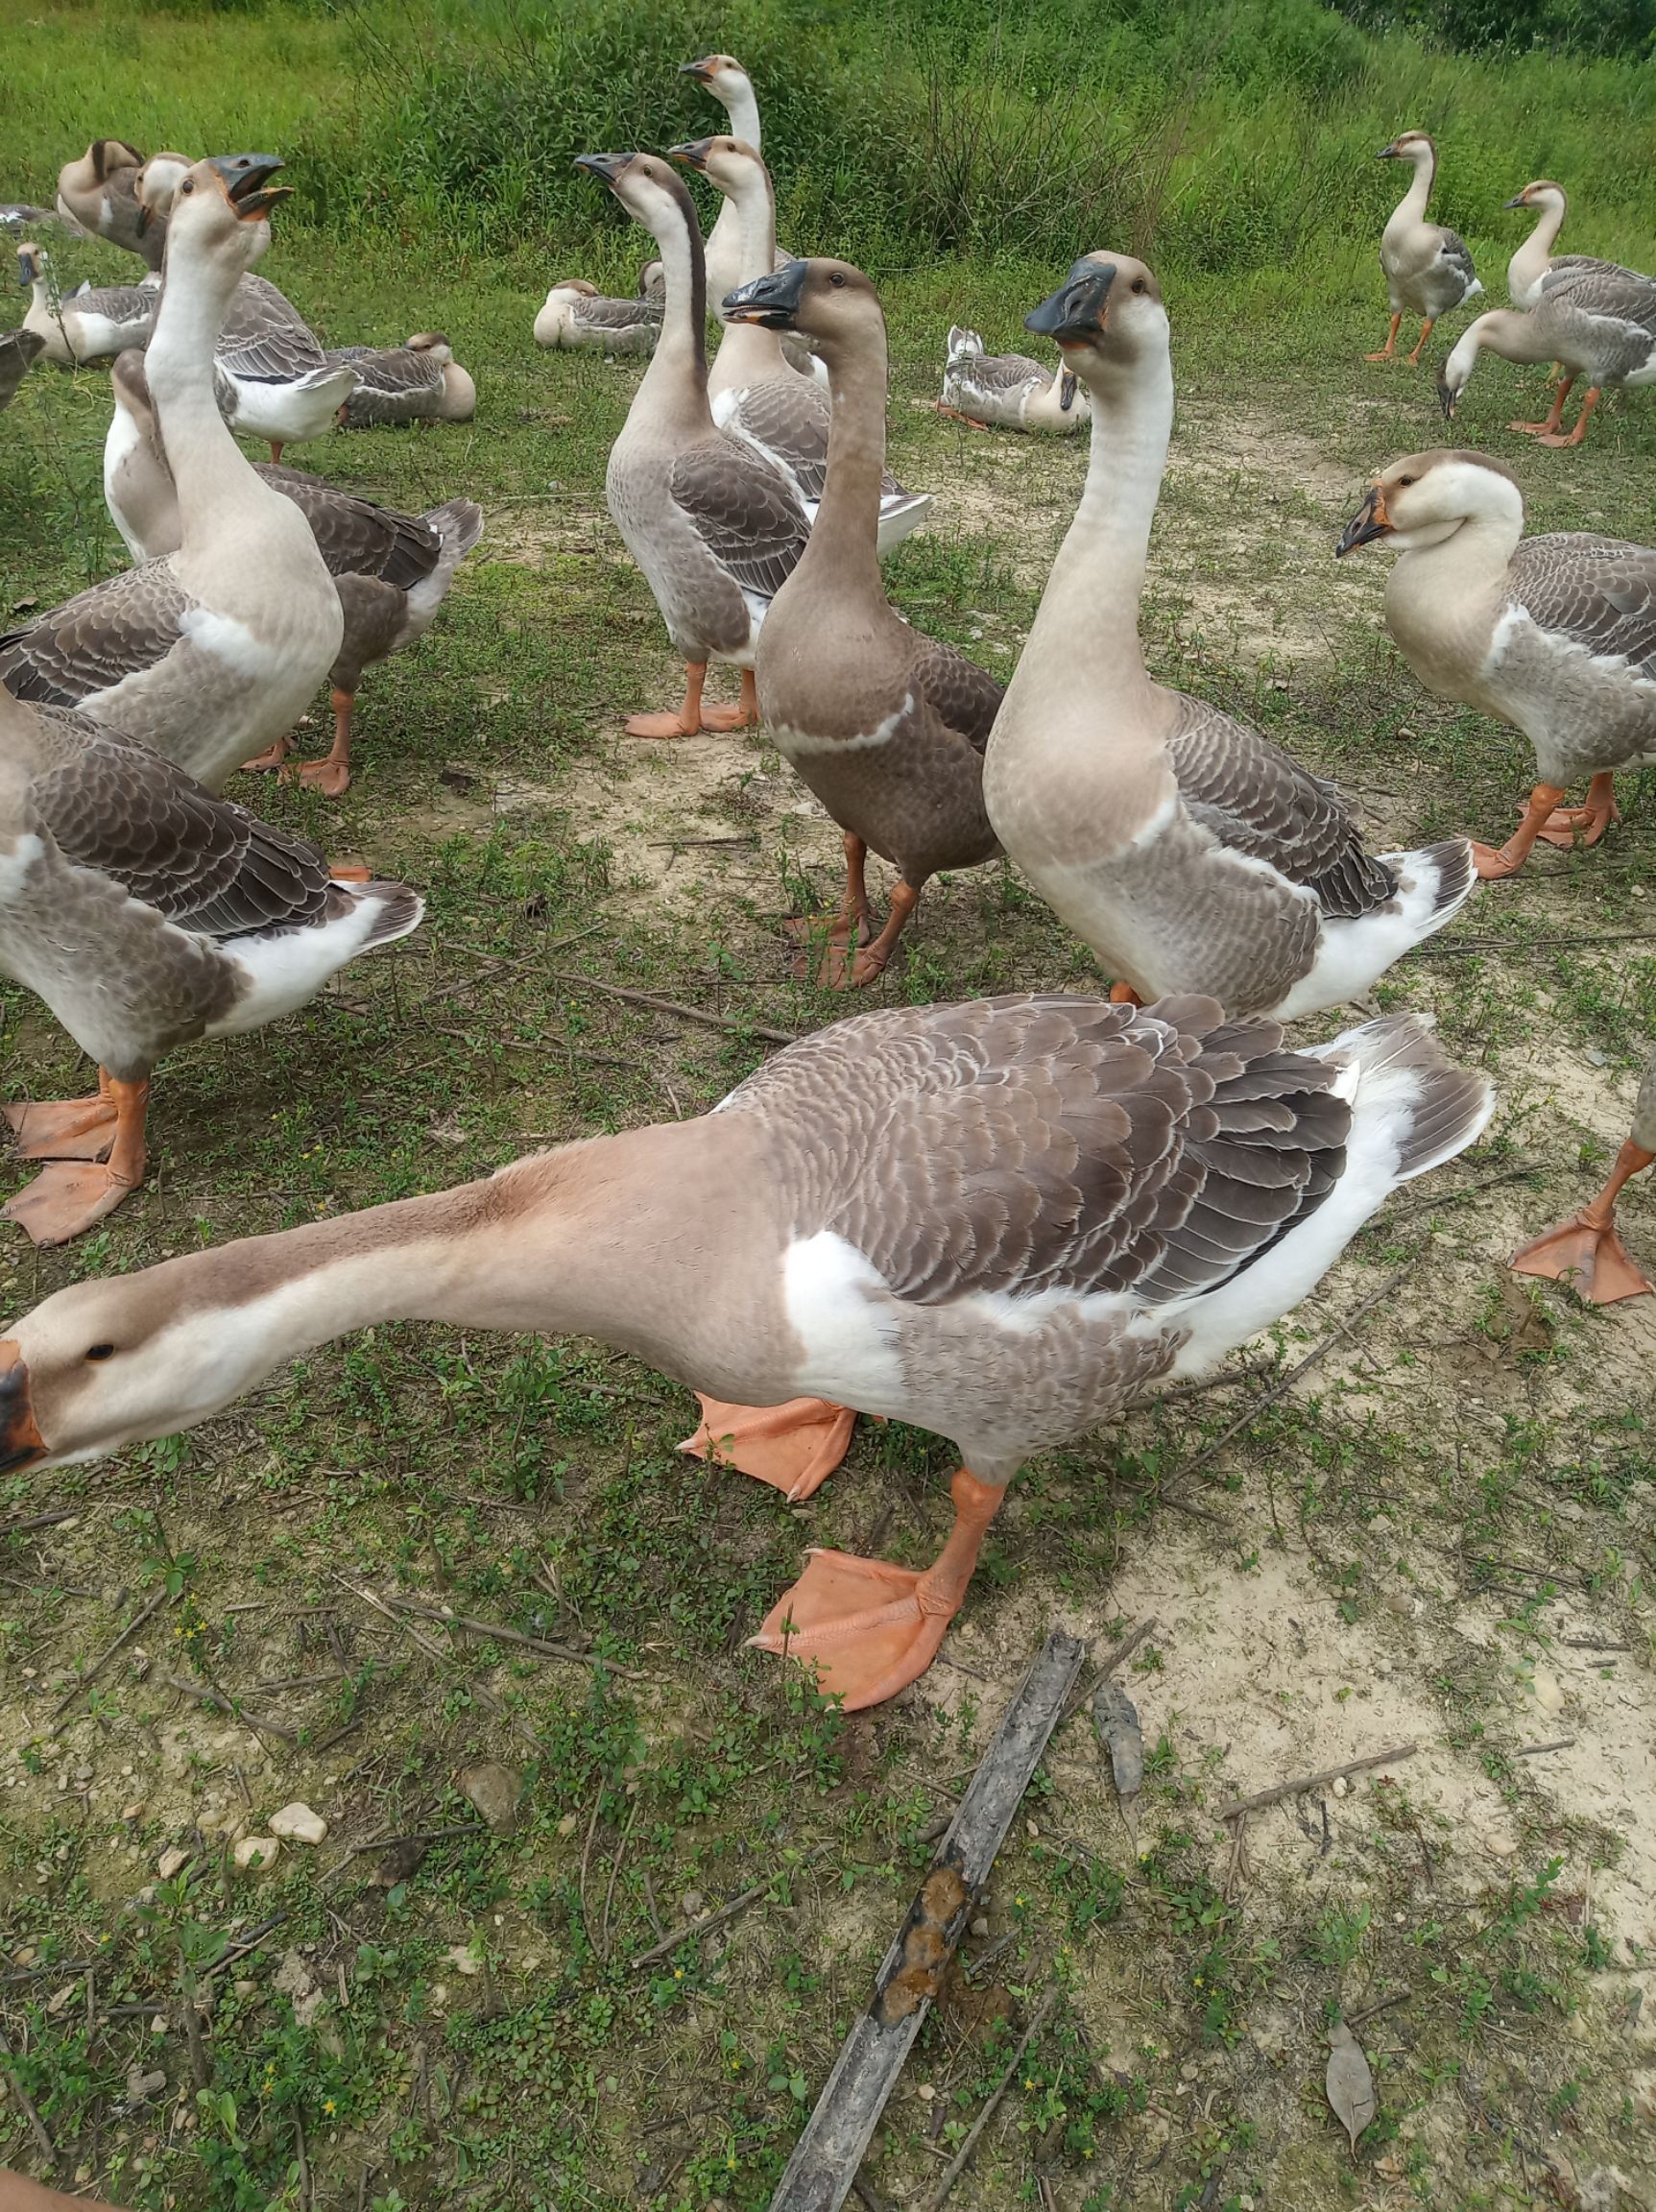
(87, 645)
(1600, 592)
(357, 537)
(789, 418)
(265, 337)
(965, 697)
(745, 511)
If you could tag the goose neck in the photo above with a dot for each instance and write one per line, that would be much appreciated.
(212, 473)
(1412, 207)
(747, 351)
(742, 105)
(844, 544)
(676, 380)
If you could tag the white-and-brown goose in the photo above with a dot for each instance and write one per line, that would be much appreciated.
(1008, 390)
(98, 194)
(87, 325)
(1001, 1221)
(1535, 260)
(729, 83)
(1598, 323)
(715, 527)
(1555, 634)
(215, 651)
(1188, 851)
(576, 317)
(1428, 268)
(419, 381)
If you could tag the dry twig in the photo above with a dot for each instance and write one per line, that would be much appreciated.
(1304, 1782)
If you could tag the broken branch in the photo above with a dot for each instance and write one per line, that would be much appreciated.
(1304, 1782)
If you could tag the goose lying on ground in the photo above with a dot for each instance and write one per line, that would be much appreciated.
(392, 571)
(20, 350)
(1186, 849)
(146, 913)
(1428, 269)
(577, 316)
(1584, 1251)
(999, 1222)
(1535, 260)
(214, 652)
(716, 528)
(1599, 324)
(419, 381)
(1007, 389)
(752, 391)
(98, 194)
(885, 726)
(1555, 634)
(85, 324)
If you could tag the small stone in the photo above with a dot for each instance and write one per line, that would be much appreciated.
(566, 1826)
(134, 1811)
(463, 1958)
(692, 1902)
(293, 1978)
(926, 2092)
(58, 2001)
(159, 2024)
(1030, 1829)
(1381, 1525)
(255, 1854)
(1566, 1510)
(1190, 2071)
(297, 1824)
(1341, 1786)
(980, 1926)
(142, 2086)
(1547, 1694)
(494, 1790)
(171, 1860)
(436, 1996)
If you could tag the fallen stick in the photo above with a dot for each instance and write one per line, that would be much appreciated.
(1304, 1782)
(1379, 2005)
(1118, 1655)
(222, 1704)
(38, 1521)
(962, 2158)
(498, 1634)
(676, 1007)
(37, 2126)
(1434, 1199)
(687, 1928)
(820, 2173)
(1534, 1750)
(98, 1665)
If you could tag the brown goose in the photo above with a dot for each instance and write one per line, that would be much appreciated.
(419, 381)
(1584, 1251)
(18, 351)
(999, 1222)
(98, 194)
(392, 571)
(885, 726)
(1596, 323)
(716, 528)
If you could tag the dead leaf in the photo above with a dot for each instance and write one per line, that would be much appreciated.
(1115, 1717)
(1349, 2086)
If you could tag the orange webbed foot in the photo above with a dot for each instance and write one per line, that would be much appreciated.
(1591, 1259)
(862, 1624)
(65, 1198)
(63, 1128)
(1493, 862)
(795, 1446)
(728, 718)
(331, 777)
(272, 757)
(661, 726)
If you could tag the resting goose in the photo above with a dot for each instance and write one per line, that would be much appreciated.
(211, 653)
(1599, 324)
(1555, 635)
(1007, 389)
(1186, 851)
(392, 571)
(419, 381)
(752, 391)
(885, 726)
(1584, 1251)
(20, 350)
(578, 318)
(98, 194)
(1535, 260)
(716, 528)
(146, 913)
(87, 324)
(1001, 1221)
(1429, 270)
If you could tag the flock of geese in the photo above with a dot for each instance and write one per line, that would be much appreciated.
(1000, 1221)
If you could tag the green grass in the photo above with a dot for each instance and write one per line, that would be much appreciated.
(1402, 1544)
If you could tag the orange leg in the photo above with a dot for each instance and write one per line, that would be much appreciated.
(743, 715)
(794, 1447)
(1555, 414)
(1426, 331)
(1512, 856)
(1388, 350)
(276, 446)
(70, 1195)
(1556, 438)
(1124, 995)
(1569, 825)
(848, 968)
(692, 716)
(872, 1628)
(1584, 1251)
(332, 777)
(954, 415)
(273, 757)
(851, 922)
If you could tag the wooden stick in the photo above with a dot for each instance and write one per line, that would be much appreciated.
(1304, 1782)
(493, 1629)
(1534, 1750)
(37, 2126)
(1379, 2005)
(97, 1668)
(962, 2158)
(687, 1928)
(1116, 1656)
(222, 1704)
(676, 1007)
(1436, 1198)
(38, 1521)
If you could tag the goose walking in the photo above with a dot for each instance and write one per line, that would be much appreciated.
(1001, 1221)
(1555, 635)
(1428, 268)
(1599, 324)
(752, 389)
(392, 571)
(419, 381)
(146, 913)
(211, 653)
(1535, 261)
(1584, 1251)
(577, 316)
(1007, 389)
(885, 726)
(1186, 849)
(716, 528)
(20, 350)
(85, 324)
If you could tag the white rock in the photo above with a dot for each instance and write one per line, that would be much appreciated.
(1547, 1694)
(463, 1958)
(256, 1853)
(298, 1824)
(1341, 1786)
(170, 1862)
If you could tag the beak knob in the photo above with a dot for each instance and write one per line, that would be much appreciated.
(1369, 522)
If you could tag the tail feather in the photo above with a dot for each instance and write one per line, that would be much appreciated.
(402, 910)
(1433, 1108)
(963, 345)
(459, 523)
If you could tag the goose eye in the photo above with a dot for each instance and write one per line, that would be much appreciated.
(836, 279)
(100, 1352)
(1137, 284)
(1403, 480)
(188, 184)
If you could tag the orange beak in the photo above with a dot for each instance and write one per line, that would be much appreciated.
(21, 1442)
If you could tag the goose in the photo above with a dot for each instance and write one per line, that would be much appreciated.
(392, 571)
(1189, 852)
(98, 194)
(732, 88)
(1429, 270)
(1584, 1251)
(19, 351)
(1535, 260)
(1009, 388)
(885, 726)
(1001, 1221)
(419, 381)
(211, 653)
(1596, 323)
(146, 913)
(577, 316)
(84, 325)
(1555, 635)
(716, 528)
(752, 391)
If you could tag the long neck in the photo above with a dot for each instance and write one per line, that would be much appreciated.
(1443, 600)
(675, 384)
(1411, 207)
(1503, 331)
(1529, 264)
(215, 482)
(746, 351)
(842, 550)
(741, 105)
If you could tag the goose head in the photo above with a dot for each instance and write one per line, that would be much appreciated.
(828, 303)
(96, 166)
(647, 187)
(1412, 146)
(432, 342)
(1425, 498)
(31, 266)
(1106, 319)
(727, 163)
(157, 185)
(721, 75)
(1544, 195)
(651, 281)
(220, 212)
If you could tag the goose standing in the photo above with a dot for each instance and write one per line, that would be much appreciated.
(1428, 269)
(999, 1222)
(98, 194)
(19, 351)
(1599, 324)
(980, 389)
(84, 326)
(1584, 1251)
(752, 389)
(577, 316)
(885, 726)
(146, 913)
(1535, 260)
(729, 83)
(419, 381)
(214, 652)
(1186, 851)
(1556, 634)
(716, 528)
(392, 571)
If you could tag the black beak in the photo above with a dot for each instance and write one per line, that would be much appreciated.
(144, 220)
(25, 275)
(1066, 387)
(1517, 201)
(700, 70)
(1386, 154)
(21, 1443)
(608, 168)
(1078, 309)
(770, 302)
(243, 178)
(1445, 399)
(693, 155)
(1368, 524)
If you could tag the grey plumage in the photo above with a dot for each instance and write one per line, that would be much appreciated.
(18, 351)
